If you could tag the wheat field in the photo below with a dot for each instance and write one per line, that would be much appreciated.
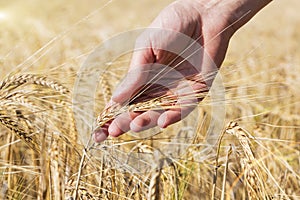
(249, 148)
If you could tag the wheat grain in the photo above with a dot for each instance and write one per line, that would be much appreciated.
(25, 100)
(29, 102)
(21, 79)
(252, 172)
(153, 191)
(26, 135)
(162, 102)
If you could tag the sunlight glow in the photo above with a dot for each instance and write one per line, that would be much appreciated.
(3, 16)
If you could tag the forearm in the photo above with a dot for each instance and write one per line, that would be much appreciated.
(235, 13)
(244, 10)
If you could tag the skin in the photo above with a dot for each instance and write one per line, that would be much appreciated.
(211, 23)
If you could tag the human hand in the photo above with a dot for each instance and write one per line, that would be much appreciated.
(188, 39)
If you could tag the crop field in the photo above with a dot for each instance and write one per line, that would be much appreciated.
(60, 62)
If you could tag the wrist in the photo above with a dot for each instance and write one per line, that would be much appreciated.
(239, 12)
(244, 10)
(231, 14)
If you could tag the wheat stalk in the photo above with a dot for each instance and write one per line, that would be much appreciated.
(105, 88)
(20, 104)
(25, 100)
(57, 175)
(255, 181)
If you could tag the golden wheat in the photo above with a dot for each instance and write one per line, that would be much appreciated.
(256, 182)
(42, 114)
(105, 88)
(21, 79)
(20, 104)
(161, 102)
(32, 107)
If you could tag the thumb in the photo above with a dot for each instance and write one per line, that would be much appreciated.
(136, 77)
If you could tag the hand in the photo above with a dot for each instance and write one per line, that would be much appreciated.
(187, 39)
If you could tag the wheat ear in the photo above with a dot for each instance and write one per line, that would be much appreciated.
(255, 181)
(153, 192)
(162, 102)
(21, 79)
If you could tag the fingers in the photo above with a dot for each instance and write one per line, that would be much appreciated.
(139, 122)
(133, 121)
(172, 116)
(115, 127)
(186, 102)
(145, 121)
(101, 133)
(121, 124)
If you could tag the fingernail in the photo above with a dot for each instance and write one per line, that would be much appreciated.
(112, 130)
(115, 94)
(135, 128)
(161, 122)
(99, 136)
